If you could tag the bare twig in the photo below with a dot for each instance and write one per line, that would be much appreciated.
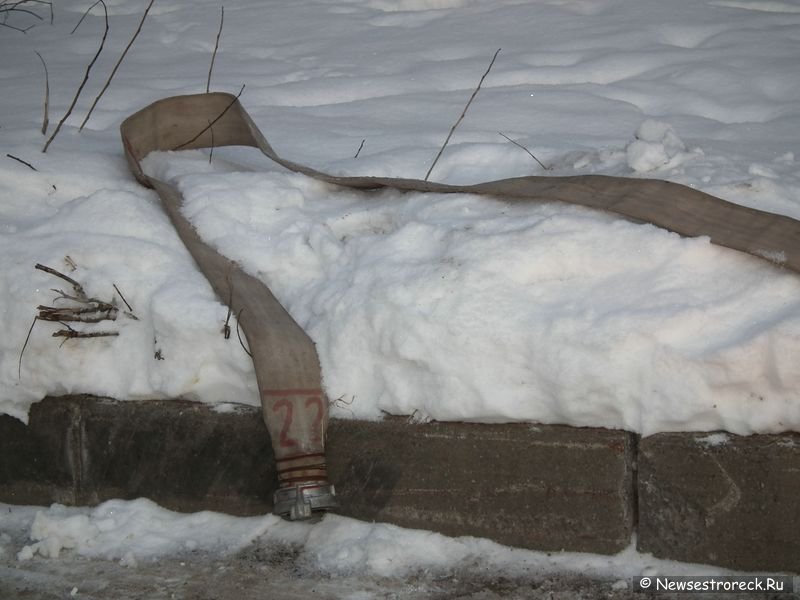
(75, 285)
(239, 335)
(216, 46)
(360, 147)
(460, 118)
(85, 14)
(116, 66)
(85, 79)
(211, 153)
(70, 333)
(24, 162)
(524, 148)
(121, 296)
(46, 118)
(89, 314)
(16, 28)
(25, 345)
(210, 125)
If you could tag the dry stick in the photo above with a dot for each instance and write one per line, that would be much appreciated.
(524, 148)
(46, 118)
(75, 285)
(25, 345)
(464, 112)
(72, 333)
(26, 163)
(85, 79)
(216, 46)
(16, 28)
(14, 7)
(116, 66)
(88, 10)
(121, 296)
(360, 147)
(211, 154)
(211, 124)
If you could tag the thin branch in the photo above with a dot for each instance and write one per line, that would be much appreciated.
(88, 10)
(216, 46)
(23, 10)
(25, 345)
(75, 285)
(16, 28)
(210, 125)
(360, 147)
(121, 296)
(116, 66)
(211, 154)
(464, 112)
(70, 333)
(85, 79)
(524, 148)
(46, 118)
(24, 162)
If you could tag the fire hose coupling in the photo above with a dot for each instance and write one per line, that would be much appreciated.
(302, 500)
(304, 487)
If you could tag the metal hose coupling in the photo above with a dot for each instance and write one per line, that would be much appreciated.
(303, 487)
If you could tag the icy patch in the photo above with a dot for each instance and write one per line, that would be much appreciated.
(777, 257)
(714, 439)
(656, 147)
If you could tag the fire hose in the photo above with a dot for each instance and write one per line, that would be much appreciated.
(287, 367)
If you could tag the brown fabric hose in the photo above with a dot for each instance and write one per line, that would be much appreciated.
(285, 359)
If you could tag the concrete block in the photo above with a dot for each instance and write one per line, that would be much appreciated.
(181, 454)
(549, 488)
(544, 487)
(721, 499)
(38, 462)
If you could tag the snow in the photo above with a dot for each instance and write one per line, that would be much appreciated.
(137, 532)
(446, 307)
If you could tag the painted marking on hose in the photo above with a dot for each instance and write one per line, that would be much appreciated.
(284, 440)
(317, 427)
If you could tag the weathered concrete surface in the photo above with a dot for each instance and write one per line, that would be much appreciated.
(547, 488)
(181, 454)
(721, 499)
(37, 462)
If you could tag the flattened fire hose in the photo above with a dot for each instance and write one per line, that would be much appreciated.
(287, 367)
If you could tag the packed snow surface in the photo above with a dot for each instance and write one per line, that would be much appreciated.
(444, 307)
(139, 531)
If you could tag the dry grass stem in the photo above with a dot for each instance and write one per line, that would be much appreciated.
(526, 150)
(24, 162)
(463, 113)
(116, 66)
(46, 117)
(216, 47)
(85, 77)
(360, 147)
(210, 125)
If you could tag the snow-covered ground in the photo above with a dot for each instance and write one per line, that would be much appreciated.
(139, 534)
(446, 307)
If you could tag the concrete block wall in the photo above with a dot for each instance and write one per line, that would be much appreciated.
(714, 499)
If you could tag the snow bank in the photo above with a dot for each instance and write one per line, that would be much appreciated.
(443, 307)
(133, 532)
